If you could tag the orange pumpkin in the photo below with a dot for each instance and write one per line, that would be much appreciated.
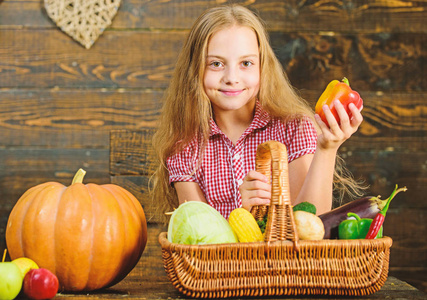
(90, 236)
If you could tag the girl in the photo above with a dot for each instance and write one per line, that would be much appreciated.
(229, 94)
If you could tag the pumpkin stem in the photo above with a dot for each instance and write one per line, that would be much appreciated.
(78, 178)
(4, 255)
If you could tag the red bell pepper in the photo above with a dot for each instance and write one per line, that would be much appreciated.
(378, 221)
(341, 91)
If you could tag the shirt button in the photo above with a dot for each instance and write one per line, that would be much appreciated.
(240, 181)
(236, 157)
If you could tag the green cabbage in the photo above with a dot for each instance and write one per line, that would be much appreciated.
(197, 223)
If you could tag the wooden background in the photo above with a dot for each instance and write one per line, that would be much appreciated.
(59, 101)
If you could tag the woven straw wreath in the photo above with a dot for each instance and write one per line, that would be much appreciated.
(83, 20)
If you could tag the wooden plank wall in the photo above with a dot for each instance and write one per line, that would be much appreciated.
(59, 101)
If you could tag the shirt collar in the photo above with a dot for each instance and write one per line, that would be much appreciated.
(260, 120)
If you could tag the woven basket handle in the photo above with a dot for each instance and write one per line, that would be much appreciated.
(272, 161)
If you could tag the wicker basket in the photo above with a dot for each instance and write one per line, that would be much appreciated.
(282, 265)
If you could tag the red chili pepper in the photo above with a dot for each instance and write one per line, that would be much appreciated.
(341, 91)
(378, 221)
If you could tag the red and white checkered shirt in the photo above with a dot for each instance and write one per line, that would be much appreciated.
(224, 165)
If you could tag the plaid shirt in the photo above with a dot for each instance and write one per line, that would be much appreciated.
(224, 165)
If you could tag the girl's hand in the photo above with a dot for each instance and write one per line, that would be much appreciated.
(255, 190)
(333, 136)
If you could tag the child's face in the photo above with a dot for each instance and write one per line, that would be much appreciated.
(232, 74)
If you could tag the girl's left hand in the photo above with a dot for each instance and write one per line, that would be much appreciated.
(337, 133)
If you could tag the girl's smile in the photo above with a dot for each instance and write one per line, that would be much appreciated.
(231, 93)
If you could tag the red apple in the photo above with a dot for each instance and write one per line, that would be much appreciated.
(40, 284)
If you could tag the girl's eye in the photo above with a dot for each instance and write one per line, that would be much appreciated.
(247, 63)
(216, 64)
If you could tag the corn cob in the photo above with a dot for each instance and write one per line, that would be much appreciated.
(244, 225)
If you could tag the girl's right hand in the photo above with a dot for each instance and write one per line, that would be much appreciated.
(255, 190)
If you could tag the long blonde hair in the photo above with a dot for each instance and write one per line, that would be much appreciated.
(187, 109)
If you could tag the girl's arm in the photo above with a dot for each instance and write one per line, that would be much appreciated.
(311, 175)
(315, 185)
(310, 179)
(189, 191)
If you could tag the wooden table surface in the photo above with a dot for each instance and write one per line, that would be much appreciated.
(150, 287)
(149, 281)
